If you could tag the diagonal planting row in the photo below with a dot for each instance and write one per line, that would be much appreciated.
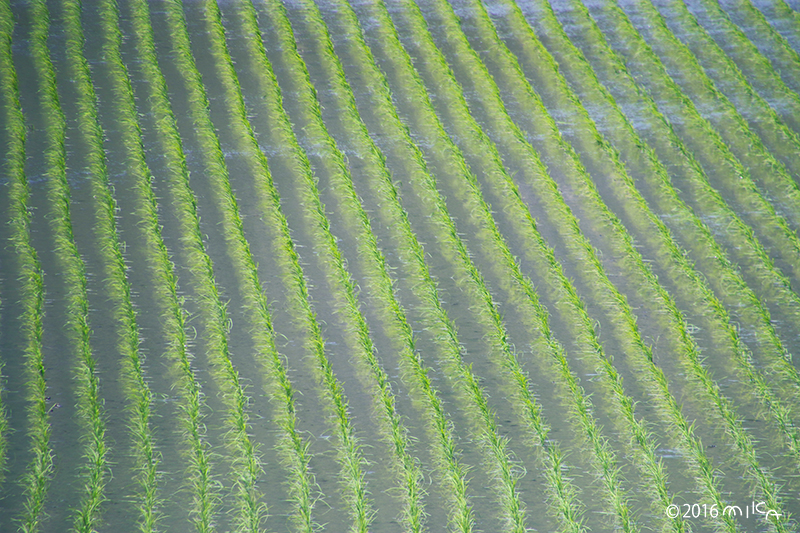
(71, 265)
(505, 129)
(672, 259)
(644, 161)
(781, 19)
(342, 286)
(721, 164)
(39, 470)
(138, 393)
(202, 486)
(582, 407)
(743, 67)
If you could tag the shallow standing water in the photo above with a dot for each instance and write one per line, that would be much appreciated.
(536, 176)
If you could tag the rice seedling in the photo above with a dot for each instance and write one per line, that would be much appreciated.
(706, 142)
(348, 450)
(137, 390)
(40, 468)
(201, 481)
(742, 139)
(743, 94)
(89, 403)
(246, 463)
(764, 37)
(726, 281)
(600, 449)
(690, 349)
(406, 466)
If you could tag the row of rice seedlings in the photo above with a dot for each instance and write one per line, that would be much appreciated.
(580, 403)
(750, 252)
(759, 61)
(604, 456)
(682, 270)
(726, 277)
(446, 453)
(406, 466)
(742, 240)
(690, 350)
(293, 447)
(782, 18)
(493, 445)
(784, 58)
(707, 143)
(349, 452)
(39, 470)
(578, 243)
(137, 390)
(732, 128)
(246, 461)
(89, 405)
(763, 120)
(204, 487)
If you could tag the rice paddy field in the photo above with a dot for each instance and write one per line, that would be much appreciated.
(398, 266)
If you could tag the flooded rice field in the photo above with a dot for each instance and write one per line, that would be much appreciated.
(399, 266)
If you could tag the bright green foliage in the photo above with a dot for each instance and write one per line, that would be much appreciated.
(555, 243)
(341, 284)
(39, 470)
(201, 483)
(88, 386)
(138, 393)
